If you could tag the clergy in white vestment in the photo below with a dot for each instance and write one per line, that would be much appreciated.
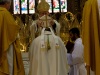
(76, 56)
(48, 55)
(37, 25)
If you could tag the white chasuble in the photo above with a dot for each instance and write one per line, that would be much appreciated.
(45, 61)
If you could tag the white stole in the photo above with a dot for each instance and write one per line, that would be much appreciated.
(42, 39)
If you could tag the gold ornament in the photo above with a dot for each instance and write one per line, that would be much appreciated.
(69, 16)
(48, 43)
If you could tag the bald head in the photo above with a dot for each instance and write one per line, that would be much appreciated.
(5, 3)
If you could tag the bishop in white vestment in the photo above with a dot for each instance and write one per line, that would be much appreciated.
(48, 55)
(34, 28)
(37, 25)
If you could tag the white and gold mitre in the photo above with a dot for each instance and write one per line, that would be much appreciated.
(43, 6)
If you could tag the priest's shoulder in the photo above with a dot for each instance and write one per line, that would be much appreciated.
(4, 10)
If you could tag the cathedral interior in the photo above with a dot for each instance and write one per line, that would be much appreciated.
(64, 11)
(67, 12)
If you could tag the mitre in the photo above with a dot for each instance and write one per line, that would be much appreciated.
(43, 6)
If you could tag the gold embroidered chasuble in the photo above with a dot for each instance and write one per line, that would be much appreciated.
(8, 33)
(91, 35)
